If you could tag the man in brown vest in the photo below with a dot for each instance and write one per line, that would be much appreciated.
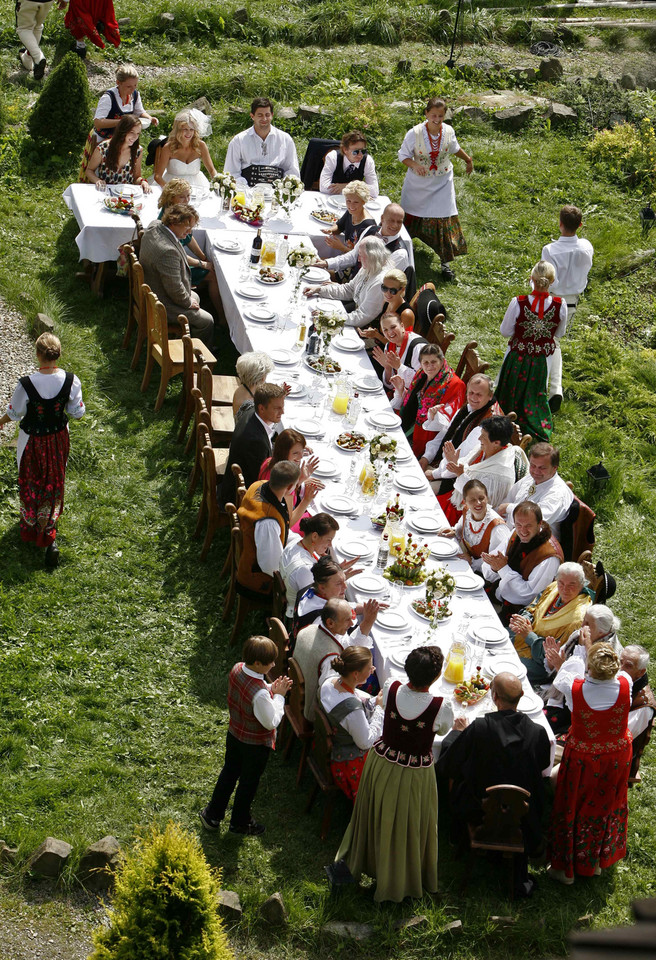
(529, 564)
(634, 660)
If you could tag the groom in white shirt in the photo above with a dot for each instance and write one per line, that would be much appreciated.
(262, 153)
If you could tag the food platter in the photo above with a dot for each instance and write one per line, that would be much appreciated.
(323, 364)
(325, 217)
(270, 276)
(421, 608)
(351, 442)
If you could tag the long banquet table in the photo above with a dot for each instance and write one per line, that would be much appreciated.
(467, 607)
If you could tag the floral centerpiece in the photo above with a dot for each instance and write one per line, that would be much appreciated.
(287, 191)
(225, 185)
(300, 259)
(440, 584)
(382, 447)
(393, 509)
(409, 564)
(328, 325)
(249, 212)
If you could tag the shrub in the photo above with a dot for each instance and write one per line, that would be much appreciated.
(615, 38)
(62, 117)
(164, 904)
(627, 154)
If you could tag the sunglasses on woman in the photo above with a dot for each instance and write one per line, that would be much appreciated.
(392, 290)
(359, 152)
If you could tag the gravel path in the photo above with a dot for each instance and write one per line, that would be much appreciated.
(16, 359)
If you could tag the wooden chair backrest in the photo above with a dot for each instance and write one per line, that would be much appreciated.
(470, 362)
(296, 697)
(198, 366)
(139, 230)
(206, 385)
(504, 806)
(278, 633)
(188, 360)
(322, 744)
(591, 575)
(203, 437)
(516, 438)
(236, 536)
(439, 335)
(413, 302)
(279, 596)
(200, 408)
(157, 324)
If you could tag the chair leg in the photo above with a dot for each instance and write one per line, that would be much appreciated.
(243, 609)
(200, 520)
(312, 797)
(229, 601)
(148, 372)
(193, 477)
(191, 440)
(188, 410)
(127, 336)
(226, 566)
(212, 525)
(327, 815)
(141, 337)
(161, 393)
(290, 741)
(301, 763)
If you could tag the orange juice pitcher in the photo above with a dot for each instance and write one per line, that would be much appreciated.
(455, 664)
(397, 541)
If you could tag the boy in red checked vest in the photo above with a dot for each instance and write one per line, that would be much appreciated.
(256, 708)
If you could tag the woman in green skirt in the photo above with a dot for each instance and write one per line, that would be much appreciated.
(392, 835)
(533, 325)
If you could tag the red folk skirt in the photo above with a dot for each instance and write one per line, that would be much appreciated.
(41, 478)
(450, 512)
(347, 775)
(420, 438)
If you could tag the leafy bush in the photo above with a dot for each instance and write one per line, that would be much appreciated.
(164, 904)
(62, 117)
(628, 154)
(615, 38)
(597, 98)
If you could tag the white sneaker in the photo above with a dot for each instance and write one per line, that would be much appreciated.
(559, 875)
(26, 60)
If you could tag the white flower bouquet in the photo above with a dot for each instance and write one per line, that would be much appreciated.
(382, 447)
(440, 584)
(287, 191)
(328, 324)
(301, 257)
(225, 185)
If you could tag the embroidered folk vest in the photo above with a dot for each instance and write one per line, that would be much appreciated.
(444, 164)
(533, 335)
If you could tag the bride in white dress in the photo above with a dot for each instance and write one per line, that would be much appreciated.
(183, 153)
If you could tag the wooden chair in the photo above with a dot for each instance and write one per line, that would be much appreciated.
(470, 362)
(439, 335)
(243, 605)
(212, 464)
(278, 633)
(318, 761)
(221, 419)
(201, 416)
(413, 302)
(595, 581)
(526, 442)
(167, 353)
(279, 596)
(240, 483)
(504, 806)
(516, 438)
(135, 279)
(141, 289)
(299, 728)
(192, 363)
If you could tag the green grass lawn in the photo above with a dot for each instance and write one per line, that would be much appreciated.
(113, 668)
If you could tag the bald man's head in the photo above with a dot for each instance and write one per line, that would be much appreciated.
(507, 691)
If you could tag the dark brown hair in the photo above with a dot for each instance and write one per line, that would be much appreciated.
(283, 474)
(351, 660)
(424, 665)
(529, 506)
(121, 130)
(267, 392)
(284, 442)
(571, 218)
(355, 136)
(473, 485)
(435, 102)
(320, 523)
(543, 449)
(179, 213)
(260, 650)
(261, 103)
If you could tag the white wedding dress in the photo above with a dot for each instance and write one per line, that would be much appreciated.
(190, 172)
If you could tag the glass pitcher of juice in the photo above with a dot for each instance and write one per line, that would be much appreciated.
(455, 663)
(341, 398)
(397, 541)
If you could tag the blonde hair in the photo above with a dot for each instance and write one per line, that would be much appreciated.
(398, 276)
(357, 188)
(176, 187)
(183, 119)
(48, 346)
(253, 367)
(603, 662)
(126, 72)
(543, 275)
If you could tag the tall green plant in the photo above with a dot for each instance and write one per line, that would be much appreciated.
(62, 117)
(164, 904)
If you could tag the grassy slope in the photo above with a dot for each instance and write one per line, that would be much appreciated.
(113, 668)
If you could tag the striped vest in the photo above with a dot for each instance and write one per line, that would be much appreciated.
(244, 725)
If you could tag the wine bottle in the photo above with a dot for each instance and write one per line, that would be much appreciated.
(383, 553)
(256, 249)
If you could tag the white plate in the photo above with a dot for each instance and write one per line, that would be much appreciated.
(306, 361)
(260, 314)
(373, 205)
(424, 522)
(270, 283)
(355, 548)
(403, 455)
(368, 583)
(348, 344)
(145, 122)
(391, 620)
(408, 481)
(398, 658)
(367, 384)
(251, 292)
(384, 420)
(310, 428)
(468, 581)
(325, 468)
(283, 357)
(324, 223)
(346, 450)
(316, 275)
(488, 632)
(443, 548)
(124, 190)
(337, 201)
(531, 703)
(423, 616)
(499, 665)
(226, 245)
(339, 504)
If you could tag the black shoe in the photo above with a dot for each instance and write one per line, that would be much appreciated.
(252, 829)
(52, 554)
(40, 69)
(207, 821)
(555, 402)
(81, 51)
(447, 273)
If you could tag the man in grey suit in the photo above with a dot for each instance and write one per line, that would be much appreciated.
(167, 272)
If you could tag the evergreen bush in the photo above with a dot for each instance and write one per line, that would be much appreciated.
(62, 116)
(164, 904)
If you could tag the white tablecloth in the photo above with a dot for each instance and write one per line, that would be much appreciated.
(102, 232)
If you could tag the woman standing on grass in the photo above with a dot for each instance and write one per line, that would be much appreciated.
(428, 196)
(41, 402)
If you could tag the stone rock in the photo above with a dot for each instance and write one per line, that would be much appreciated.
(43, 324)
(546, 35)
(401, 105)
(233, 108)
(448, 114)
(50, 858)
(123, 21)
(446, 17)
(616, 119)
(167, 17)
(486, 66)
(472, 113)
(7, 854)
(98, 865)
(565, 35)
(454, 929)
(273, 910)
(229, 906)
(240, 15)
(524, 74)
(628, 81)
(404, 66)
(585, 921)
(551, 69)
(503, 921)
(559, 114)
(412, 923)
(307, 112)
(514, 118)
(203, 105)
(348, 930)
(285, 113)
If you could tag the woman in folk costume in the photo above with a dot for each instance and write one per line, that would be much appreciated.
(533, 324)
(480, 529)
(434, 384)
(428, 195)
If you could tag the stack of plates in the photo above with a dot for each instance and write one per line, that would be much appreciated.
(284, 358)
(339, 504)
(260, 314)
(384, 420)
(325, 468)
(351, 344)
(356, 548)
(391, 620)
(492, 634)
(227, 245)
(251, 292)
(403, 454)
(369, 583)
(424, 523)
(296, 390)
(506, 665)
(309, 428)
(531, 703)
(367, 384)
(398, 658)
(337, 201)
(410, 482)
(443, 549)
(316, 275)
(468, 582)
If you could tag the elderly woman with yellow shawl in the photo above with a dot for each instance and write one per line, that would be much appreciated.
(557, 612)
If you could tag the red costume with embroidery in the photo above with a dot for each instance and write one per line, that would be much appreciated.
(407, 742)
(90, 18)
(534, 332)
(590, 812)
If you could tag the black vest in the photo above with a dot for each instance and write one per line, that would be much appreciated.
(339, 176)
(115, 113)
(44, 417)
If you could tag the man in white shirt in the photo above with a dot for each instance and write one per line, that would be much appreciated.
(389, 231)
(262, 153)
(634, 660)
(572, 258)
(542, 485)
